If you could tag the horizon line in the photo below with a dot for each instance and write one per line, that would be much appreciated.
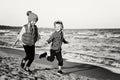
(64, 28)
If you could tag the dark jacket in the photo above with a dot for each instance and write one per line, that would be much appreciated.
(56, 38)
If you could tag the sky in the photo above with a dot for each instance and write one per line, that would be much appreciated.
(78, 14)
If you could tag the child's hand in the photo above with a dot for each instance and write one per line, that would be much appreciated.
(66, 42)
(13, 45)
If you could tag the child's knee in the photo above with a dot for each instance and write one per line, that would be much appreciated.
(31, 58)
(51, 59)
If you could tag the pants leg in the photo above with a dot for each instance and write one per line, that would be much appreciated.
(59, 58)
(30, 53)
(52, 56)
(26, 49)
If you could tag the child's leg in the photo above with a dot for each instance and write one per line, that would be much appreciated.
(59, 67)
(52, 56)
(60, 60)
(24, 60)
(31, 55)
(26, 49)
(43, 55)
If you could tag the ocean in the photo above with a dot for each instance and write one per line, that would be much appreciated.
(101, 46)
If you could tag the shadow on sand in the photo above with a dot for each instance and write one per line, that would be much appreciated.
(76, 68)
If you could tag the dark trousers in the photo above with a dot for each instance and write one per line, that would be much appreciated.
(57, 54)
(30, 54)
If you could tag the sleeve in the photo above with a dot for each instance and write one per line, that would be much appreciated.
(19, 37)
(37, 32)
(51, 38)
(39, 37)
(64, 39)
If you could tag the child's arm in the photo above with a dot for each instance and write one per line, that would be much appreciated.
(48, 41)
(19, 36)
(15, 43)
(38, 37)
(16, 40)
(66, 42)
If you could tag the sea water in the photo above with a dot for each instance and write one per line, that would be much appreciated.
(90, 45)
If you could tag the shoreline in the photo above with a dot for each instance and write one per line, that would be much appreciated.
(70, 59)
(70, 68)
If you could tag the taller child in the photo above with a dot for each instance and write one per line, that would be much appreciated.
(29, 35)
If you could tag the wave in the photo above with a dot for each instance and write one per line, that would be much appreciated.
(98, 42)
(4, 31)
(92, 59)
(11, 34)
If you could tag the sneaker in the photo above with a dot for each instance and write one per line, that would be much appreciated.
(27, 69)
(60, 72)
(43, 55)
(22, 63)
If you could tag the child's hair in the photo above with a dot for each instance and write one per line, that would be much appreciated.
(58, 22)
(28, 12)
(32, 16)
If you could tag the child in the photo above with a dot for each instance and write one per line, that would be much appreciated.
(29, 35)
(56, 38)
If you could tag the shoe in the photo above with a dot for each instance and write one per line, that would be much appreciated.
(43, 55)
(60, 72)
(27, 69)
(22, 63)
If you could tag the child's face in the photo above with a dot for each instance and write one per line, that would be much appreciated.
(58, 27)
(32, 22)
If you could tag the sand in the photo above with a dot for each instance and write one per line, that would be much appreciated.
(44, 70)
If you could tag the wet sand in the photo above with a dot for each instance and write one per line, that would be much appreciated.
(68, 68)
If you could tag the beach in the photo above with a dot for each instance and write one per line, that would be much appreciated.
(44, 70)
(90, 55)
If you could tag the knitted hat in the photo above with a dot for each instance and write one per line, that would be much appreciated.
(32, 17)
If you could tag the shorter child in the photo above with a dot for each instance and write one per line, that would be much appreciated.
(56, 39)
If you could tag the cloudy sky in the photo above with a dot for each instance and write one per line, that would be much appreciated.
(73, 13)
